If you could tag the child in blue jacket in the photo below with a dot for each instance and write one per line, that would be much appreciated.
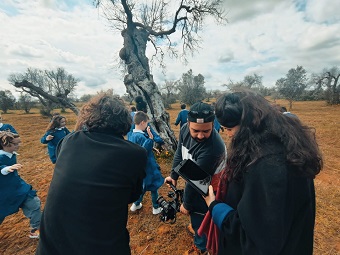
(154, 178)
(6, 127)
(56, 130)
(15, 193)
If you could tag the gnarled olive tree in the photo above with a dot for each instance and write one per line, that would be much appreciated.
(154, 21)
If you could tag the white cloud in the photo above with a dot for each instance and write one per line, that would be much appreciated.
(264, 36)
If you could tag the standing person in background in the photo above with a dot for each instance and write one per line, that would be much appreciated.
(217, 125)
(265, 202)
(56, 130)
(15, 193)
(154, 179)
(133, 112)
(199, 141)
(6, 127)
(182, 116)
(94, 180)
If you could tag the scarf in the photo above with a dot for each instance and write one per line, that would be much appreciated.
(208, 227)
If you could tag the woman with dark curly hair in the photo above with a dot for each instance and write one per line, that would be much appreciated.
(265, 203)
(94, 181)
(55, 131)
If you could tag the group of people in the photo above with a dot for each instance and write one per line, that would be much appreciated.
(261, 199)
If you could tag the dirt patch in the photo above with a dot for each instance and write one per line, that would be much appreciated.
(148, 234)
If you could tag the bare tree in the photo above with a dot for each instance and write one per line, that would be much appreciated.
(51, 88)
(329, 79)
(153, 21)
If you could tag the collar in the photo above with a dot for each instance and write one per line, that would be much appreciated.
(8, 154)
(1, 124)
(138, 131)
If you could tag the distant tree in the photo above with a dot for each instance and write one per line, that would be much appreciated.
(293, 85)
(328, 80)
(169, 93)
(143, 23)
(25, 102)
(85, 97)
(191, 88)
(7, 100)
(50, 87)
(252, 82)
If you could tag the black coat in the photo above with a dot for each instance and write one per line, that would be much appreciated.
(274, 209)
(96, 176)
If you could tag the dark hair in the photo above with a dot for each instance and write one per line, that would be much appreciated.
(133, 109)
(6, 138)
(183, 106)
(106, 114)
(139, 117)
(258, 121)
(140, 104)
(55, 122)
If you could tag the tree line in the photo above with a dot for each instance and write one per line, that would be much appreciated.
(50, 89)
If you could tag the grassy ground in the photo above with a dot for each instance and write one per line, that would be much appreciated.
(148, 234)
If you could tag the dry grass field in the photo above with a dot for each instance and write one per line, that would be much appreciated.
(148, 234)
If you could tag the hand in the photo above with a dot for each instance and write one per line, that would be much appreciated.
(149, 133)
(211, 196)
(49, 137)
(168, 180)
(183, 210)
(14, 167)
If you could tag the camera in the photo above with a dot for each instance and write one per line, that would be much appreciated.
(170, 208)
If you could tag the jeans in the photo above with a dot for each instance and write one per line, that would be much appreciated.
(199, 241)
(31, 209)
(154, 196)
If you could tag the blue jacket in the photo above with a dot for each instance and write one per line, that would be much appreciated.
(182, 117)
(13, 189)
(154, 178)
(217, 125)
(58, 133)
(7, 127)
(156, 137)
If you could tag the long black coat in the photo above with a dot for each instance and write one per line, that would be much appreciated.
(96, 176)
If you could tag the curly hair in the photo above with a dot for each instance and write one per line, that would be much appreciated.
(260, 121)
(104, 113)
(6, 138)
(55, 122)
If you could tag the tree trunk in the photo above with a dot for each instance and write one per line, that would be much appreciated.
(62, 100)
(139, 81)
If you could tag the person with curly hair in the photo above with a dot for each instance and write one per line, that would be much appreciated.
(265, 202)
(94, 180)
(15, 193)
(56, 130)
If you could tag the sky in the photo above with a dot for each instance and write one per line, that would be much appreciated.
(266, 37)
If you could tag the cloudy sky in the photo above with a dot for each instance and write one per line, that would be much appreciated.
(267, 37)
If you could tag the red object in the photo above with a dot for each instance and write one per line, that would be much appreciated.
(208, 227)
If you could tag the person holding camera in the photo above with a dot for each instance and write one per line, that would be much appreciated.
(94, 180)
(200, 142)
(265, 202)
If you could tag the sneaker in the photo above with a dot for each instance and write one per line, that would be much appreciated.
(134, 207)
(195, 251)
(190, 230)
(156, 210)
(34, 233)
